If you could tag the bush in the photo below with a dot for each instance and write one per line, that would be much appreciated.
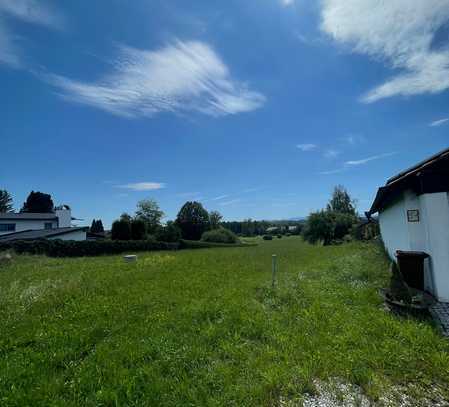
(169, 233)
(121, 230)
(279, 236)
(220, 235)
(268, 237)
(72, 248)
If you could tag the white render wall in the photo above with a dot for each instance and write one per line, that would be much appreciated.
(430, 235)
(28, 224)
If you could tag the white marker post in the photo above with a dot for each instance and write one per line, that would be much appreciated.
(273, 270)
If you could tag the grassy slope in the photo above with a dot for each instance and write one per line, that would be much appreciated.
(203, 327)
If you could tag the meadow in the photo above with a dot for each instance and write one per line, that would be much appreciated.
(205, 328)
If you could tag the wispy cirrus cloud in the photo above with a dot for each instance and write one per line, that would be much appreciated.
(142, 186)
(399, 32)
(368, 159)
(440, 122)
(32, 11)
(28, 11)
(181, 77)
(353, 163)
(331, 153)
(353, 139)
(230, 202)
(307, 147)
(220, 197)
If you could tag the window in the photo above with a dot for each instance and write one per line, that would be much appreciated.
(48, 225)
(7, 227)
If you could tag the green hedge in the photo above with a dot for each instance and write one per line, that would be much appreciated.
(70, 248)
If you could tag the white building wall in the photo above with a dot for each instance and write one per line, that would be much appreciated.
(76, 235)
(393, 227)
(430, 235)
(32, 224)
(435, 211)
(64, 217)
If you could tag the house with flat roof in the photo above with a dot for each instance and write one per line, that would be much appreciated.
(413, 208)
(25, 225)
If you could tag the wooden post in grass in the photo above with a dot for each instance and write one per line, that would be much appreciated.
(273, 270)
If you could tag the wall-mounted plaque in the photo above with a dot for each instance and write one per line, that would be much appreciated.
(413, 215)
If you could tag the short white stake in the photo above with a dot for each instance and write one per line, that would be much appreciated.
(273, 269)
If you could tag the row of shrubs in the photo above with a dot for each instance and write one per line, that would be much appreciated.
(71, 248)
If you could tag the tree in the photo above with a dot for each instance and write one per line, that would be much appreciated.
(97, 226)
(5, 201)
(38, 202)
(341, 202)
(193, 220)
(215, 219)
(126, 217)
(169, 233)
(150, 213)
(138, 230)
(319, 227)
(121, 230)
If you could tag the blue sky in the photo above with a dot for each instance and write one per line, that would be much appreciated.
(256, 108)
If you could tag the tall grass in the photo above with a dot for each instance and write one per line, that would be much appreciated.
(204, 327)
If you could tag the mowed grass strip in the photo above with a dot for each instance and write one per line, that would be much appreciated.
(204, 327)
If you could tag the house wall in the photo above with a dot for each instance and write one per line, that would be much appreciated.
(430, 235)
(32, 224)
(393, 227)
(76, 235)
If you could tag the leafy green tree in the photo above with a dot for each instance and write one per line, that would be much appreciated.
(97, 226)
(215, 219)
(5, 201)
(341, 202)
(169, 233)
(319, 227)
(193, 220)
(138, 229)
(121, 230)
(38, 202)
(150, 213)
(126, 217)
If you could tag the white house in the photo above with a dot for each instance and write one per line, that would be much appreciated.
(55, 225)
(413, 210)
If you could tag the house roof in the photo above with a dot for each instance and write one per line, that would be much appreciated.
(27, 216)
(430, 175)
(39, 234)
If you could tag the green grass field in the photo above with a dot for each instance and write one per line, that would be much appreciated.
(204, 328)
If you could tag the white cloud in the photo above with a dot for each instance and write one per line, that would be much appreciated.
(218, 198)
(353, 139)
(182, 77)
(231, 202)
(142, 186)
(287, 3)
(399, 32)
(331, 153)
(307, 147)
(338, 170)
(28, 11)
(31, 11)
(9, 53)
(438, 122)
(367, 160)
